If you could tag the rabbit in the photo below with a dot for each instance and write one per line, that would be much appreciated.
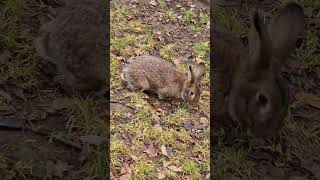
(158, 76)
(74, 44)
(248, 87)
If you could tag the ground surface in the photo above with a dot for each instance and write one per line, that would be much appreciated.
(294, 154)
(150, 138)
(43, 133)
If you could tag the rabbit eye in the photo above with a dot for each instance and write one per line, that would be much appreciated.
(191, 93)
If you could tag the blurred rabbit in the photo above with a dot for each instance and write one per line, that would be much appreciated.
(248, 85)
(75, 43)
(153, 74)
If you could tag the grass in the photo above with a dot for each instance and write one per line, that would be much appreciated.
(230, 19)
(232, 159)
(85, 119)
(141, 126)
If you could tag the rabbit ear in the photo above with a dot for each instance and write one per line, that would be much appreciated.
(190, 77)
(259, 43)
(285, 28)
(198, 72)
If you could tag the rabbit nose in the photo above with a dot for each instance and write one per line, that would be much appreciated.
(262, 99)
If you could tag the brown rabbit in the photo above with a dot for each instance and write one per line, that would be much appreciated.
(248, 85)
(75, 44)
(153, 74)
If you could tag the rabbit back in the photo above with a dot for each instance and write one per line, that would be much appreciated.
(159, 74)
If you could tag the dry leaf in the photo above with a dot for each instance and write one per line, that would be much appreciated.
(57, 169)
(175, 168)
(95, 140)
(151, 150)
(126, 169)
(166, 163)
(4, 56)
(125, 177)
(161, 175)
(134, 157)
(310, 99)
(206, 93)
(156, 119)
(153, 2)
(176, 61)
(6, 109)
(164, 150)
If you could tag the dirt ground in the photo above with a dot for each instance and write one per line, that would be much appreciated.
(44, 134)
(294, 154)
(151, 138)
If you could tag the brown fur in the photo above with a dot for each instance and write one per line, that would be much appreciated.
(248, 86)
(150, 73)
(75, 43)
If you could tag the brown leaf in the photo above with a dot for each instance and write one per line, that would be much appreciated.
(6, 109)
(57, 169)
(153, 2)
(95, 140)
(310, 99)
(156, 119)
(161, 175)
(125, 177)
(166, 163)
(175, 168)
(151, 150)
(59, 104)
(134, 157)
(176, 61)
(126, 169)
(164, 150)
(5, 55)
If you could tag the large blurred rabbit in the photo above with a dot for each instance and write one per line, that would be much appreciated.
(75, 42)
(248, 86)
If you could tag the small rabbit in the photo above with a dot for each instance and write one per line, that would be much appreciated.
(75, 44)
(248, 85)
(153, 74)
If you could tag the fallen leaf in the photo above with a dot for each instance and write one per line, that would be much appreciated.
(166, 163)
(126, 169)
(127, 115)
(161, 175)
(125, 177)
(134, 157)
(176, 61)
(164, 150)
(95, 140)
(156, 119)
(6, 109)
(206, 93)
(59, 104)
(5, 95)
(151, 150)
(5, 55)
(153, 2)
(310, 99)
(57, 169)
(175, 168)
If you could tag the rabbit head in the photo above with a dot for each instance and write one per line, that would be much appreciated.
(191, 90)
(258, 97)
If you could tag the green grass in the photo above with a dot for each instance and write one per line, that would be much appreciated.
(168, 52)
(143, 169)
(140, 126)
(231, 160)
(170, 15)
(230, 19)
(162, 4)
(201, 49)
